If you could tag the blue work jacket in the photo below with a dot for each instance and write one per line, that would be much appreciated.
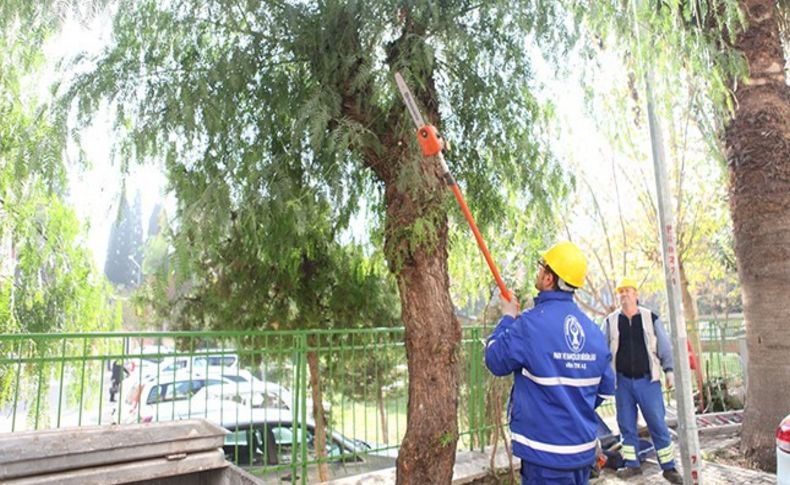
(561, 363)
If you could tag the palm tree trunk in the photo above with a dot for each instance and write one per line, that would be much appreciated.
(758, 155)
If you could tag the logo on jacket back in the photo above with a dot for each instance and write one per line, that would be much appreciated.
(574, 333)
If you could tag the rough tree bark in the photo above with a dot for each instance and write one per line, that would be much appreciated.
(318, 415)
(416, 238)
(758, 154)
(433, 335)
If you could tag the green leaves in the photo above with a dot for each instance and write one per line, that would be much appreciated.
(280, 121)
(55, 286)
(47, 281)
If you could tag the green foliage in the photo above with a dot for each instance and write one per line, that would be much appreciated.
(685, 43)
(626, 215)
(56, 286)
(359, 374)
(447, 438)
(48, 281)
(279, 122)
(516, 248)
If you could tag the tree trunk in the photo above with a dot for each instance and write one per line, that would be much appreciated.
(758, 155)
(692, 329)
(433, 335)
(383, 413)
(318, 416)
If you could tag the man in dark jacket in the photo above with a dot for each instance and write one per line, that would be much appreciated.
(640, 351)
(118, 371)
(562, 373)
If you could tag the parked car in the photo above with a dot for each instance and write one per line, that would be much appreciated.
(252, 383)
(149, 355)
(216, 358)
(783, 452)
(142, 363)
(177, 395)
(175, 363)
(217, 396)
(153, 361)
(266, 442)
(156, 398)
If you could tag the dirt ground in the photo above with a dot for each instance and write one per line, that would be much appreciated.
(731, 455)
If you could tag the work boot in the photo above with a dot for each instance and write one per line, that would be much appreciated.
(629, 472)
(672, 476)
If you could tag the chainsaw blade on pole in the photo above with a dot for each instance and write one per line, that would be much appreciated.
(408, 98)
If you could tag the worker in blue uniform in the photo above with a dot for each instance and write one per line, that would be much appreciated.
(640, 350)
(562, 372)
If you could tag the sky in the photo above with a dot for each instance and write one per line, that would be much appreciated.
(95, 189)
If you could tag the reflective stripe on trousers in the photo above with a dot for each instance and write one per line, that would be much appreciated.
(629, 394)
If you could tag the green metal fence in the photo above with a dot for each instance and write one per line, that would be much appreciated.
(722, 341)
(723, 361)
(257, 385)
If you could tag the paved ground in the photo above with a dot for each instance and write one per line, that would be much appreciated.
(472, 467)
(712, 473)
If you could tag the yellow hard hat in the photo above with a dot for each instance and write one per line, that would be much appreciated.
(568, 262)
(625, 283)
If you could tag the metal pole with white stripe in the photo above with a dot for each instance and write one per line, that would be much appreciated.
(687, 424)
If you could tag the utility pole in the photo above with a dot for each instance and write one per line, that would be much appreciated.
(687, 422)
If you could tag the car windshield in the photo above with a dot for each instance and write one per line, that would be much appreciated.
(215, 361)
(177, 391)
(285, 437)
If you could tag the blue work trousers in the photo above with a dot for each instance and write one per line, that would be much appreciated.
(629, 394)
(532, 474)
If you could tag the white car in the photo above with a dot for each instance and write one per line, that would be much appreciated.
(141, 364)
(218, 396)
(249, 382)
(176, 395)
(152, 361)
(227, 358)
(155, 398)
(783, 452)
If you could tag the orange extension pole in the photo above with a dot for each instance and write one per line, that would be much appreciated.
(432, 146)
(491, 264)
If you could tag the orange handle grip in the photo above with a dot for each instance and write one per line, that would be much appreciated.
(429, 140)
(491, 265)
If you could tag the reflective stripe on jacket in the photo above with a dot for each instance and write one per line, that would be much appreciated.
(561, 364)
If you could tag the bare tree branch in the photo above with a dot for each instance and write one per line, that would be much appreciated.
(620, 214)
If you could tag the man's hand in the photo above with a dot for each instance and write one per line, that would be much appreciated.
(510, 307)
(670, 379)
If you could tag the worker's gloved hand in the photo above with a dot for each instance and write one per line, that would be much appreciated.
(510, 307)
(670, 379)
